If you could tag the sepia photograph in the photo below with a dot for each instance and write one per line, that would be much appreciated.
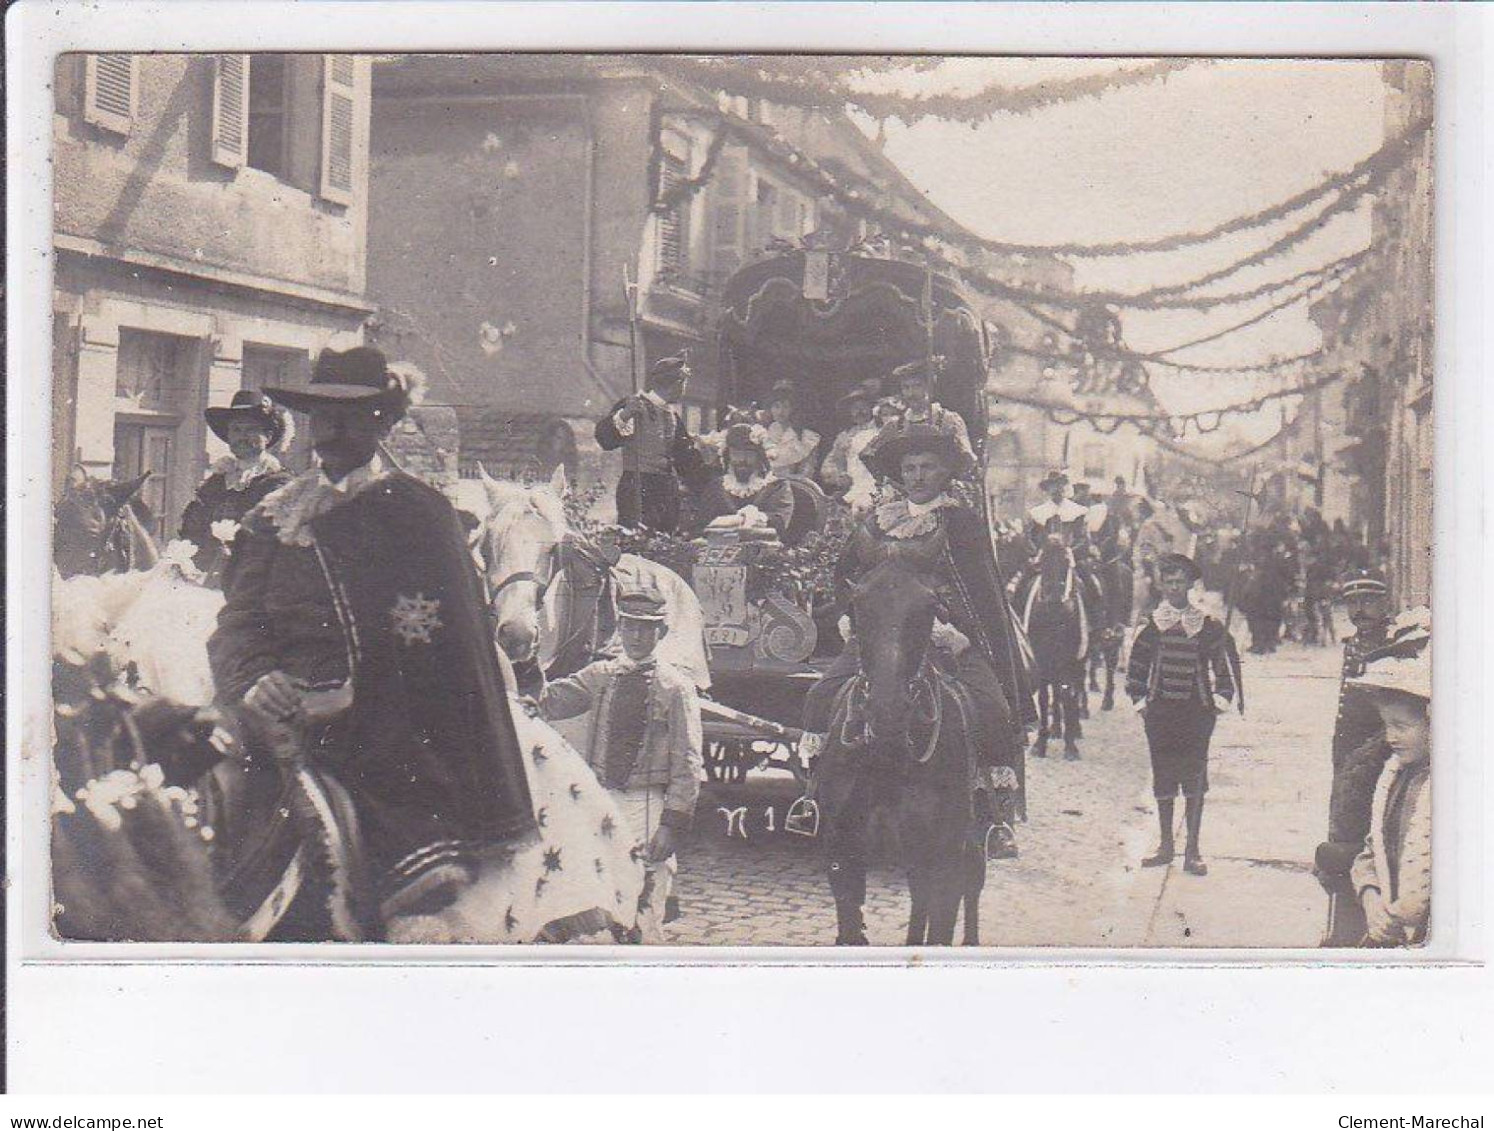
(742, 501)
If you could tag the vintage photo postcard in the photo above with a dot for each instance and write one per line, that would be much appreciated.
(751, 501)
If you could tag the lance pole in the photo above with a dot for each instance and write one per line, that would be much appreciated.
(635, 370)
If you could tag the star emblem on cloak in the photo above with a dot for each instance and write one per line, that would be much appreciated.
(575, 792)
(552, 860)
(609, 826)
(539, 755)
(415, 618)
(636, 853)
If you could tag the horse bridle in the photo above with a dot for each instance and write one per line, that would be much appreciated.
(541, 584)
(931, 683)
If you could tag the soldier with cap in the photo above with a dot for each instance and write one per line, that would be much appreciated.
(253, 428)
(354, 580)
(643, 741)
(1359, 749)
(1183, 673)
(658, 451)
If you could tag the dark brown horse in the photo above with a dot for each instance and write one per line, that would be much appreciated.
(1117, 584)
(99, 527)
(897, 774)
(1058, 628)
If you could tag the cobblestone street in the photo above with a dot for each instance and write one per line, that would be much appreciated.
(1077, 882)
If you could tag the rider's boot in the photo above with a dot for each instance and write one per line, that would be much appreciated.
(1040, 748)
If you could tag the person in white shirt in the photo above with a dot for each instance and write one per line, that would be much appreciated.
(1392, 876)
(791, 448)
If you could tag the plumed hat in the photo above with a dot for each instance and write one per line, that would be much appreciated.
(884, 455)
(256, 408)
(357, 376)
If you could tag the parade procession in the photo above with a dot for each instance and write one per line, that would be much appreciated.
(741, 501)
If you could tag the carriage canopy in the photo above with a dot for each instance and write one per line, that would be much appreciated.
(826, 321)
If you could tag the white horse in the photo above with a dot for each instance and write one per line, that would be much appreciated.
(521, 529)
(159, 621)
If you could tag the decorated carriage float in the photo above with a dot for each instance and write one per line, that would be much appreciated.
(825, 323)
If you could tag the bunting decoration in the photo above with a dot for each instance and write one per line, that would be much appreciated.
(1204, 422)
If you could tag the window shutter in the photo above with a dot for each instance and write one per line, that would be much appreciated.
(339, 78)
(230, 110)
(111, 92)
(673, 172)
(727, 188)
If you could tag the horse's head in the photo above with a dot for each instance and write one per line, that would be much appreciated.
(519, 542)
(894, 612)
(1055, 570)
(96, 529)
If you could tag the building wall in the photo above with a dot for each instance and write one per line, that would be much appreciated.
(157, 189)
(478, 222)
(179, 281)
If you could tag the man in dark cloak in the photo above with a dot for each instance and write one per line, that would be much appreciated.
(357, 573)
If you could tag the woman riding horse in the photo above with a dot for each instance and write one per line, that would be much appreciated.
(947, 545)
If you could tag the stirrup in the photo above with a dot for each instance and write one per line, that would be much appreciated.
(1001, 843)
(803, 817)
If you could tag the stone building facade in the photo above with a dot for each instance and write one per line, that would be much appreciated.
(210, 215)
(512, 196)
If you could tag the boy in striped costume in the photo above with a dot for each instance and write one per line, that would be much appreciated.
(1184, 671)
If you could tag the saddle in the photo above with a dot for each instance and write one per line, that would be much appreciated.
(286, 833)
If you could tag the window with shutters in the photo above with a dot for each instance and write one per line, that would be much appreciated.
(268, 109)
(111, 91)
(673, 223)
(231, 110)
(339, 100)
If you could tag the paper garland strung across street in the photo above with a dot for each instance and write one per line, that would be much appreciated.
(803, 83)
(924, 239)
(1203, 421)
(1350, 185)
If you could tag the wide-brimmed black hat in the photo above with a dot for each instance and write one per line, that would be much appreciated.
(357, 376)
(1179, 563)
(247, 405)
(884, 455)
(1051, 478)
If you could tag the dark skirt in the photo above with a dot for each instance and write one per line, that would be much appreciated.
(1178, 733)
